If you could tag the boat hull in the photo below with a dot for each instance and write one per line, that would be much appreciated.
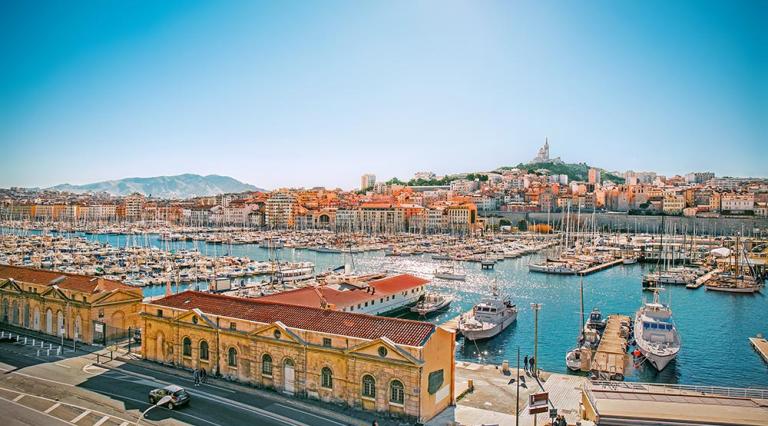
(487, 333)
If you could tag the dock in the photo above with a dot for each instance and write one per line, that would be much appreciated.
(610, 360)
(702, 279)
(761, 346)
(600, 267)
(453, 323)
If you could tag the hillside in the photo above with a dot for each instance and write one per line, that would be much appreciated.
(180, 186)
(575, 172)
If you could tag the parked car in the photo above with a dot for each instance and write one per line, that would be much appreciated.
(178, 396)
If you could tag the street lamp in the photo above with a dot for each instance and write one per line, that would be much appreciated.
(164, 400)
(535, 307)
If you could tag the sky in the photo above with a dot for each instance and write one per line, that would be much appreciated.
(291, 93)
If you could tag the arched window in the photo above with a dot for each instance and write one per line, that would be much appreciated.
(326, 378)
(5, 310)
(186, 347)
(26, 315)
(78, 327)
(203, 350)
(396, 392)
(266, 365)
(232, 357)
(369, 386)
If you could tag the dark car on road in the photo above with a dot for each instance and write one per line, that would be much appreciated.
(178, 396)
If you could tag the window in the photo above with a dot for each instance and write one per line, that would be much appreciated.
(326, 342)
(194, 320)
(160, 313)
(186, 348)
(382, 300)
(232, 326)
(277, 334)
(266, 365)
(435, 381)
(382, 351)
(326, 378)
(396, 392)
(204, 350)
(369, 386)
(232, 357)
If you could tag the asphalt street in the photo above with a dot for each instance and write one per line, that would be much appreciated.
(119, 396)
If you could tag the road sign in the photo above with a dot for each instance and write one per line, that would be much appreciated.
(538, 403)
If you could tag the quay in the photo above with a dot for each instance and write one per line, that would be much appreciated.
(453, 323)
(761, 346)
(610, 360)
(702, 279)
(599, 267)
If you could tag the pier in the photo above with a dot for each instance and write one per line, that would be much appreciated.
(600, 267)
(761, 346)
(702, 279)
(453, 323)
(610, 360)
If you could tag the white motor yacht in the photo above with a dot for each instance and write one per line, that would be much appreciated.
(488, 318)
(655, 333)
(431, 303)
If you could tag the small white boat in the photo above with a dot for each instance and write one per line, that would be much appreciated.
(629, 260)
(431, 303)
(449, 273)
(573, 359)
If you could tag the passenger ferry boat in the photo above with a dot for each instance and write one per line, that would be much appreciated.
(656, 335)
(488, 318)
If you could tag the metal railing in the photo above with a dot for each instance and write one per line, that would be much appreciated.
(754, 393)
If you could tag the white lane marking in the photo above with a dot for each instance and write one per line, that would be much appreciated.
(93, 369)
(52, 407)
(145, 403)
(124, 424)
(35, 411)
(78, 418)
(62, 365)
(325, 419)
(103, 419)
(64, 403)
(247, 407)
(18, 397)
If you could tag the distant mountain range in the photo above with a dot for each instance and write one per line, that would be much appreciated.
(180, 186)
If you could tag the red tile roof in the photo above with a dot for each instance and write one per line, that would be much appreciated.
(311, 296)
(404, 332)
(63, 280)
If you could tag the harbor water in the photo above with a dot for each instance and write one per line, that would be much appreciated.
(714, 327)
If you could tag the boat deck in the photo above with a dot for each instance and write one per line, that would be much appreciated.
(761, 346)
(599, 267)
(611, 357)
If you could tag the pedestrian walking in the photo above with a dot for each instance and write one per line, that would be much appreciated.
(533, 366)
(203, 376)
(525, 363)
(196, 377)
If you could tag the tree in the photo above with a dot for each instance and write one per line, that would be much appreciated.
(522, 225)
(505, 222)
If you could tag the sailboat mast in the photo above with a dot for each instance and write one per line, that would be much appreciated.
(581, 292)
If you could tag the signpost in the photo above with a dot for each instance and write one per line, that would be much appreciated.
(538, 403)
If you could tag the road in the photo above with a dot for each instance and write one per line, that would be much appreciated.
(32, 382)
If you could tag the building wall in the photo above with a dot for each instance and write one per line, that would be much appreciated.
(348, 358)
(77, 310)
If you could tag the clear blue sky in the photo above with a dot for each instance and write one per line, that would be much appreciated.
(291, 93)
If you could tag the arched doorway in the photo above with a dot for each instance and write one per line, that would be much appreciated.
(36, 319)
(26, 315)
(59, 323)
(49, 321)
(78, 328)
(4, 316)
(15, 312)
(289, 377)
(118, 320)
(159, 351)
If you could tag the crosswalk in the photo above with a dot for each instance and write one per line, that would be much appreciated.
(68, 413)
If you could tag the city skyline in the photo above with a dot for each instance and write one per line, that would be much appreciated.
(309, 96)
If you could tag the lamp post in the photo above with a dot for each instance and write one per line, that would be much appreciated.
(536, 307)
(162, 401)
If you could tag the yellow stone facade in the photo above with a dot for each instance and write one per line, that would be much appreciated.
(298, 362)
(54, 310)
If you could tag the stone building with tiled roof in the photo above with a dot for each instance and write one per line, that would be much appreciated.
(89, 309)
(373, 363)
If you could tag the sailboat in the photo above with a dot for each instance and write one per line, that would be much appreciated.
(589, 335)
(736, 280)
